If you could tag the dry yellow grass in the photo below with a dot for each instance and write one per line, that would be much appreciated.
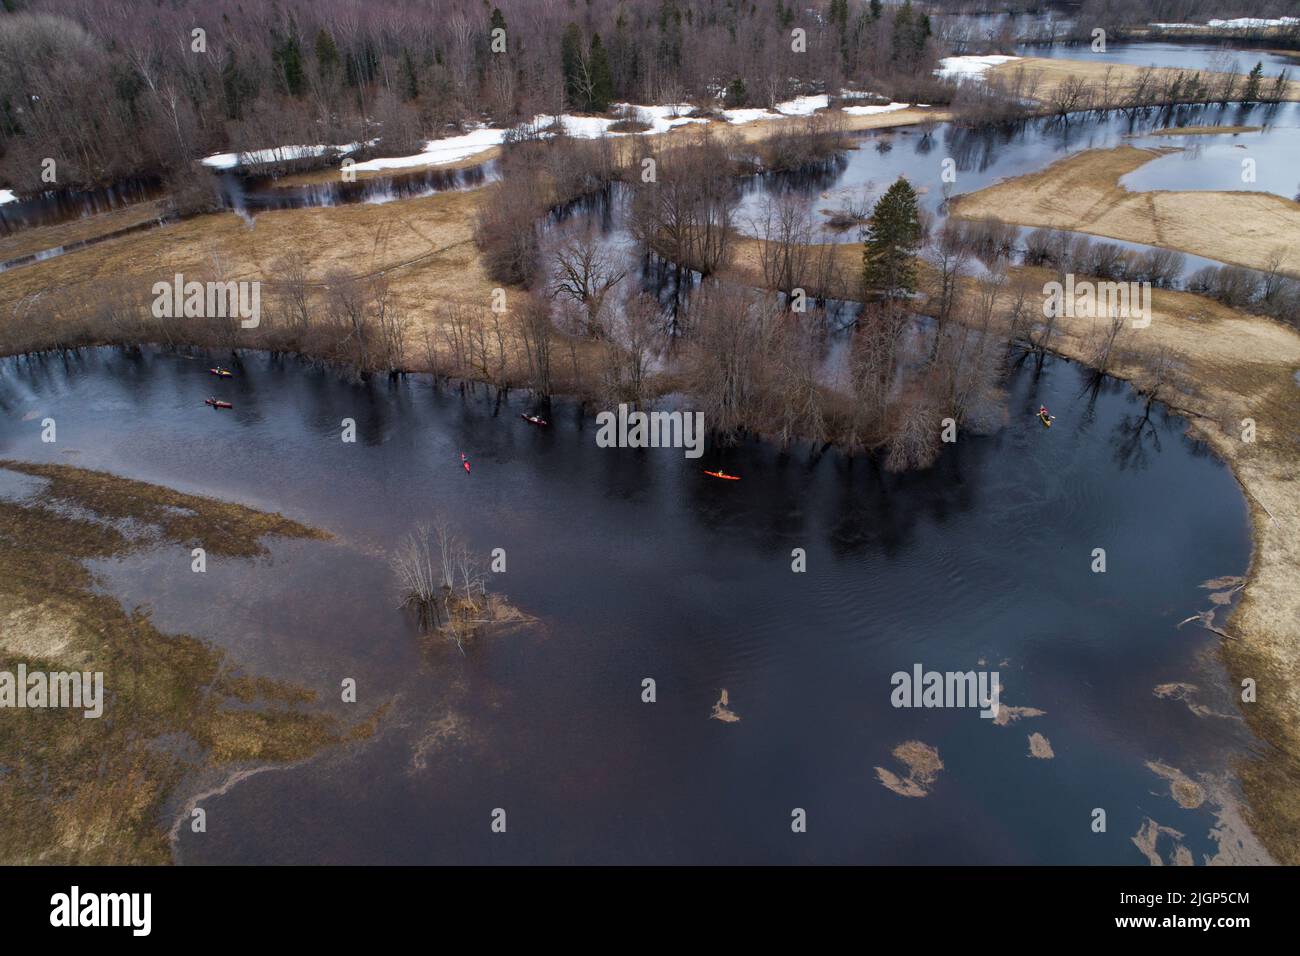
(1082, 193)
(1203, 130)
(28, 241)
(1242, 367)
(1050, 74)
(424, 246)
(94, 791)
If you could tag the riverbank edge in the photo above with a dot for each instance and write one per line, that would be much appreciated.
(1100, 206)
(1252, 651)
(1275, 720)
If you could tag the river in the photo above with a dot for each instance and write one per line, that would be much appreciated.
(638, 566)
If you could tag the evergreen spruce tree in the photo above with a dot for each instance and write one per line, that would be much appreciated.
(237, 86)
(571, 64)
(737, 95)
(410, 82)
(287, 57)
(327, 53)
(602, 80)
(839, 14)
(1279, 87)
(1253, 81)
(892, 242)
(903, 42)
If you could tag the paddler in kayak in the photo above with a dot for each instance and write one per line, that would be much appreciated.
(1044, 416)
(464, 461)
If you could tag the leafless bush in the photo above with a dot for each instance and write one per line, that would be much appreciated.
(816, 138)
(1231, 285)
(585, 272)
(725, 364)
(439, 578)
(636, 337)
(915, 431)
(784, 227)
(368, 329)
(685, 215)
(537, 335)
(506, 232)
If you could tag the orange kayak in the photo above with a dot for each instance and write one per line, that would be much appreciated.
(722, 474)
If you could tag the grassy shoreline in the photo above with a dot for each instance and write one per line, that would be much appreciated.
(1237, 366)
(1082, 193)
(98, 791)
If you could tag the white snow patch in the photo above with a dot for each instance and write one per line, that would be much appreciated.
(276, 154)
(1252, 23)
(660, 119)
(746, 115)
(452, 149)
(803, 105)
(872, 110)
(449, 149)
(965, 67)
(1241, 23)
(799, 106)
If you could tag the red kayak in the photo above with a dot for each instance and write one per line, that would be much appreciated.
(535, 420)
(722, 474)
(217, 403)
(464, 461)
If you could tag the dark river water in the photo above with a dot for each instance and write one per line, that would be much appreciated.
(62, 205)
(252, 194)
(638, 566)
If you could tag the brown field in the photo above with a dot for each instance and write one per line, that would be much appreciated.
(424, 246)
(1082, 193)
(27, 241)
(1050, 74)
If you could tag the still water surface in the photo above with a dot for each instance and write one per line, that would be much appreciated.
(636, 565)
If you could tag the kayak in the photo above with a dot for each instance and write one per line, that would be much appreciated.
(1046, 420)
(221, 372)
(535, 420)
(217, 403)
(465, 462)
(722, 474)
